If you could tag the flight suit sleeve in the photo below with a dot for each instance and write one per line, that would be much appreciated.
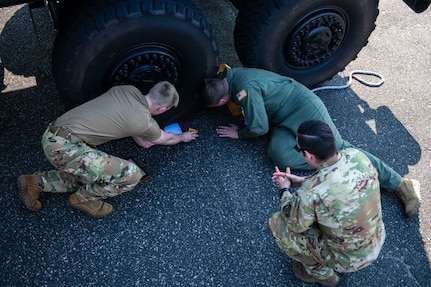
(255, 117)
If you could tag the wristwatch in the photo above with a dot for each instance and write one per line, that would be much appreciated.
(283, 190)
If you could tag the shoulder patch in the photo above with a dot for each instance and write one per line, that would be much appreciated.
(241, 95)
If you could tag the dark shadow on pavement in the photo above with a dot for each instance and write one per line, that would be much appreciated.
(375, 130)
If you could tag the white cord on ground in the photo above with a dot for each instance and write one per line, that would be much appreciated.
(351, 77)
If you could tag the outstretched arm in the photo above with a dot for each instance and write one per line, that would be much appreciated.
(167, 139)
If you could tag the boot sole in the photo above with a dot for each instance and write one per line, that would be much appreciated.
(24, 196)
(81, 207)
(415, 186)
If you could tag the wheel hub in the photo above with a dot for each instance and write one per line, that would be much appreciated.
(315, 39)
(144, 66)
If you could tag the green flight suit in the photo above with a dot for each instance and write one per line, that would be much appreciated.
(278, 104)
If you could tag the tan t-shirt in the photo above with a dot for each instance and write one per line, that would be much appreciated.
(120, 112)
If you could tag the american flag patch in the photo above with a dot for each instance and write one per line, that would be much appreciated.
(241, 95)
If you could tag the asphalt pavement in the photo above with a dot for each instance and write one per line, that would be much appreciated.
(201, 219)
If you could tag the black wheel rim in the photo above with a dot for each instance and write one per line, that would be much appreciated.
(315, 38)
(143, 66)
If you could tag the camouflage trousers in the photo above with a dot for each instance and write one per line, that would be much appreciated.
(91, 173)
(310, 249)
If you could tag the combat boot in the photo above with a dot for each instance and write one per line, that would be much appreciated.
(409, 193)
(29, 187)
(94, 208)
(302, 274)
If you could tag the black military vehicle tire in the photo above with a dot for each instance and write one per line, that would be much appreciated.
(308, 40)
(238, 3)
(105, 43)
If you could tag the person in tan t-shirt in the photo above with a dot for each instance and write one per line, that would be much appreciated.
(92, 175)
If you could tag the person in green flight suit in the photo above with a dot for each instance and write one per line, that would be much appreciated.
(278, 104)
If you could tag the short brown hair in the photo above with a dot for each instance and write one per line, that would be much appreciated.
(213, 91)
(164, 94)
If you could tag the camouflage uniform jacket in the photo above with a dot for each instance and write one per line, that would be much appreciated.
(343, 202)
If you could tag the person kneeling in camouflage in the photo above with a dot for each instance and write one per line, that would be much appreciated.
(333, 220)
(91, 174)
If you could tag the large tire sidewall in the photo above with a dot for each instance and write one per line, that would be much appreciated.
(86, 77)
(269, 52)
